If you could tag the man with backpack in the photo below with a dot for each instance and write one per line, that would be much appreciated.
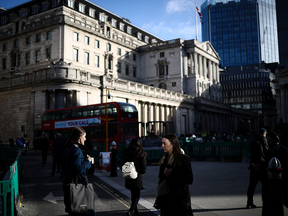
(258, 149)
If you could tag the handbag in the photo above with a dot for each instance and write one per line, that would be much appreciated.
(164, 195)
(81, 197)
(129, 171)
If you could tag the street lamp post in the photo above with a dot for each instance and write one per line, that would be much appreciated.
(106, 119)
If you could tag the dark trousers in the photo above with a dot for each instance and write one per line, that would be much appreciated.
(56, 163)
(255, 177)
(135, 197)
(44, 156)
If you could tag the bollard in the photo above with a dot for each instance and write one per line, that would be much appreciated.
(272, 190)
(113, 160)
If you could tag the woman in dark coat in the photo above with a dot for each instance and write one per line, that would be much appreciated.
(135, 153)
(175, 174)
(75, 163)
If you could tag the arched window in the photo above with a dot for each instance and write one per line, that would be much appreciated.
(163, 85)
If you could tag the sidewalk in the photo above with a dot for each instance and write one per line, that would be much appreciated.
(219, 188)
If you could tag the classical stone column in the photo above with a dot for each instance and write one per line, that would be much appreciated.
(204, 67)
(195, 68)
(69, 101)
(210, 70)
(283, 104)
(200, 65)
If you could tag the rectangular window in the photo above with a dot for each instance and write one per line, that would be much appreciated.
(119, 51)
(108, 47)
(48, 53)
(71, 3)
(102, 17)
(3, 20)
(16, 42)
(48, 35)
(11, 17)
(28, 41)
(97, 45)
(4, 63)
(44, 6)
(27, 58)
(114, 23)
(37, 56)
(34, 9)
(91, 12)
(38, 38)
(127, 69)
(146, 39)
(121, 26)
(139, 36)
(134, 56)
(161, 54)
(82, 8)
(87, 58)
(96, 61)
(75, 36)
(119, 67)
(5, 47)
(75, 55)
(127, 54)
(129, 30)
(86, 40)
(23, 13)
(134, 72)
(54, 3)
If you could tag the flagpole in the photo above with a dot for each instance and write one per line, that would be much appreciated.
(196, 22)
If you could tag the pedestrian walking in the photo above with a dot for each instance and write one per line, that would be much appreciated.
(258, 149)
(57, 151)
(135, 153)
(74, 164)
(44, 147)
(175, 175)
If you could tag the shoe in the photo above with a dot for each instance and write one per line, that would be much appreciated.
(252, 205)
(129, 213)
(136, 213)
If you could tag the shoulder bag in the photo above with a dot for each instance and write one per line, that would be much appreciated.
(81, 197)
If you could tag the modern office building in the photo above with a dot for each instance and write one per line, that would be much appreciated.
(59, 54)
(251, 87)
(243, 32)
(282, 25)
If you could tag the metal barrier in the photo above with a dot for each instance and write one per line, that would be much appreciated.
(9, 189)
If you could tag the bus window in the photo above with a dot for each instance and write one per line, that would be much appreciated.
(47, 116)
(90, 111)
(85, 112)
(58, 115)
(77, 113)
(67, 114)
(97, 111)
(128, 110)
(55, 115)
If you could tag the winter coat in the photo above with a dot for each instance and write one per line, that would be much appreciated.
(178, 200)
(74, 163)
(140, 165)
(58, 148)
(258, 148)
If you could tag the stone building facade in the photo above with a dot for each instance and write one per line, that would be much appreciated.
(58, 54)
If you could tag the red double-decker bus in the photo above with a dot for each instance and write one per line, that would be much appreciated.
(122, 127)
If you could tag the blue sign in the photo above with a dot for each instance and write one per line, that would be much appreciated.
(77, 123)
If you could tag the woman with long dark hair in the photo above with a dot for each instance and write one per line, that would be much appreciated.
(175, 174)
(135, 153)
(75, 163)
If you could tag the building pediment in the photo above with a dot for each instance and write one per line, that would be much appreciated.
(207, 47)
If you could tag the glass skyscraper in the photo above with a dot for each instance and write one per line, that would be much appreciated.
(243, 32)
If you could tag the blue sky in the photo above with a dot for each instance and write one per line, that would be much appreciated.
(167, 19)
